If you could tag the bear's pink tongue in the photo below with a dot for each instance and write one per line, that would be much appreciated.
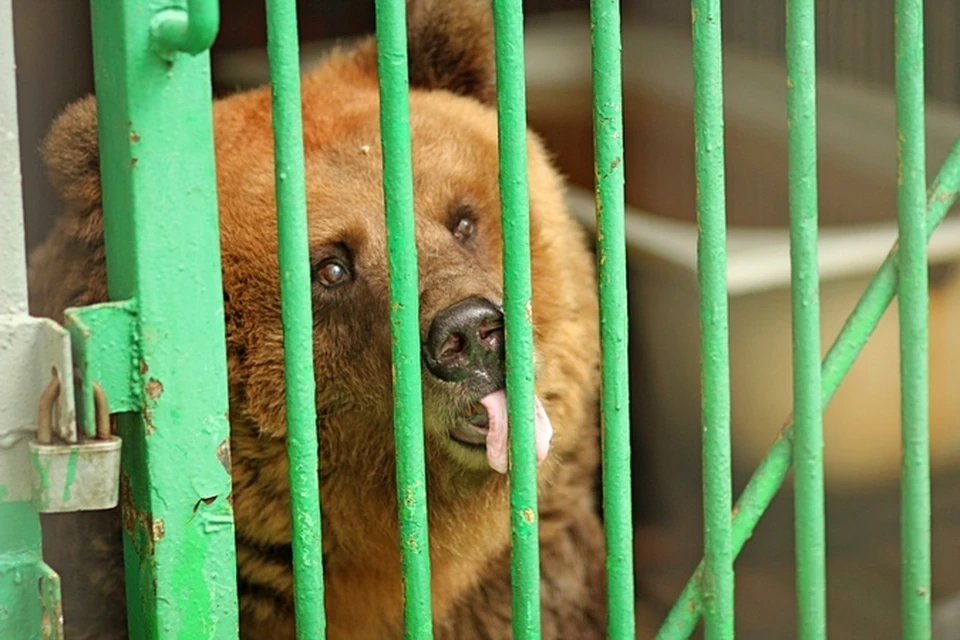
(498, 430)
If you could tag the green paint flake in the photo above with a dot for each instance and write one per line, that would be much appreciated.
(71, 473)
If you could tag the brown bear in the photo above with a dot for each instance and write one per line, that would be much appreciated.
(454, 133)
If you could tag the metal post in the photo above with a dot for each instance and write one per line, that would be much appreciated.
(297, 310)
(614, 313)
(163, 254)
(717, 584)
(914, 329)
(404, 316)
(517, 307)
(810, 540)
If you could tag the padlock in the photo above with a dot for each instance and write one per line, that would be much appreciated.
(80, 476)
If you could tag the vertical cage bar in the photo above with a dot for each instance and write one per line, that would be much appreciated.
(153, 108)
(717, 584)
(518, 330)
(404, 315)
(809, 518)
(614, 311)
(297, 313)
(772, 471)
(913, 309)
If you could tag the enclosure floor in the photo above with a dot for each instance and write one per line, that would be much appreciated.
(863, 589)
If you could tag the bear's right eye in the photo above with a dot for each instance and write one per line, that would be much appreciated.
(331, 272)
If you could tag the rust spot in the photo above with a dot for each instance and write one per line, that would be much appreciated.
(133, 163)
(159, 530)
(154, 389)
(615, 163)
(51, 607)
(528, 515)
(148, 420)
(126, 503)
(223, 454)
(143, 368)
(134, 137)
(138, 524)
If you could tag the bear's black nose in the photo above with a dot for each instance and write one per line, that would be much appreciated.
(466, 341)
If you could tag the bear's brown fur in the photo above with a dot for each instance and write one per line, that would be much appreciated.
(453, 120)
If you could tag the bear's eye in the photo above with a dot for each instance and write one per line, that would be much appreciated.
(331, 272)
(464, 229)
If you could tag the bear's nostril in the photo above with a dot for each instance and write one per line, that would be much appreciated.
(489, 331)
(452, 347)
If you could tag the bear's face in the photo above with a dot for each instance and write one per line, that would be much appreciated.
(459, 246)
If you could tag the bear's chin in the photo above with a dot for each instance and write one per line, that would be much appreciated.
(479, 436)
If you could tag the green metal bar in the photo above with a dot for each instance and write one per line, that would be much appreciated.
(297, 313)
(809, 519)
(914, 330)
(20, 565)
(517, 303)
(718, 583)
(191, 30)
(404, 316)
(856, 331)
(179, 534)
(614, 329)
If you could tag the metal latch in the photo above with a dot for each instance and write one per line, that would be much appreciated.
(74, 476)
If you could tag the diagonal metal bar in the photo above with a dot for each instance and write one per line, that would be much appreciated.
(770, 474)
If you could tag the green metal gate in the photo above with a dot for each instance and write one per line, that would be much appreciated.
(154, 101)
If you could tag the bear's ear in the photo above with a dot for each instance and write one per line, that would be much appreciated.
(450, 44)
(450, 48)
(71, 151)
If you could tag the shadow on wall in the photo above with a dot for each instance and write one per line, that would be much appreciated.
(54, 68)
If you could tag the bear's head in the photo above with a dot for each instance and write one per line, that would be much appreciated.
(459, 244)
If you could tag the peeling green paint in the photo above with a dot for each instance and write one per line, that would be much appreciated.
(41, 482)
(71, 473)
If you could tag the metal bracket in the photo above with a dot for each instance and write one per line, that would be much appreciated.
(85, 474)
(104, 353)
(30, 349)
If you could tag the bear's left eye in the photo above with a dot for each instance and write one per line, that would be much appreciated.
(464, 229)
(332, 272)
